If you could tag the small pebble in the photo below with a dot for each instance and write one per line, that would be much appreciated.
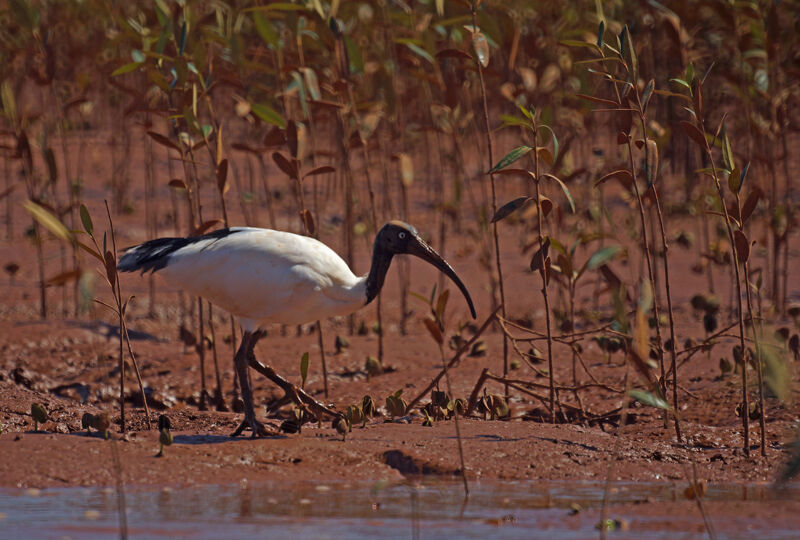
(92, 515)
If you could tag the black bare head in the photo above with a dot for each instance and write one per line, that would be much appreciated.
(397, 238)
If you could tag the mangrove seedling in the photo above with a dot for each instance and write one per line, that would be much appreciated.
(373, 367)
(87, 421)
(340, 424)
(101, 423)
(164, 434)
(39, 415)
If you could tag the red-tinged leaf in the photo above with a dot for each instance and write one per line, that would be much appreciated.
(291, 138)
(509, 207)
(546, 205)
(325, 104)
(243, 147)
(433, 329)
(546, 155)
(742, 246)
(539, 258)
(441, 303)
(453, 53)
(695, 134)
(162, 140)
(274, 137)
(672, 94)
(64, 277)
(177, 183)
(697, 96)
(511, 172)
(622, 138)
(325, 169)
(109, 306)
(308, 221)
(206, 226)
(111, 268)
(285, 165)
(731, 216)
(595, 99)
(751, 202)
(547, 270)
(222, 176)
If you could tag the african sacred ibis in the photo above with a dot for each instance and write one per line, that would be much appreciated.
(263, 276)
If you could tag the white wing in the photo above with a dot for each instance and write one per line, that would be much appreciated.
(265, 276)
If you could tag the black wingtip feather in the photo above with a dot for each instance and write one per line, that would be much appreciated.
(154, 255)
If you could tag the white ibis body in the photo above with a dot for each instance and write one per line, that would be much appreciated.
(263, 276)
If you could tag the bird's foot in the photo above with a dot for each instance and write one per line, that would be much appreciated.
(258, 429)
(295, 393)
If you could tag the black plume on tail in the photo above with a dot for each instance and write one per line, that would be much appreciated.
(154, 255)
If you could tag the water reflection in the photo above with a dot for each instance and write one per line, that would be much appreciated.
(416, 510)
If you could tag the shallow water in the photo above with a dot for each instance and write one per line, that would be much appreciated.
(502, 510)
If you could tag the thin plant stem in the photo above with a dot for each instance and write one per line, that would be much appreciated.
(738, 284)
(545, 278)
(756, 332)
(494, 199)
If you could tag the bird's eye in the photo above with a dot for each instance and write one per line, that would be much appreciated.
(402, 235)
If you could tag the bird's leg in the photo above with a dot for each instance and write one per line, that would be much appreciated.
(240, 362)
(298, 395)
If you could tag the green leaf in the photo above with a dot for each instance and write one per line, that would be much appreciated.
(744, 174)
(727, 151)
(602, 256)
(86, 219)
(419, 51)
(647, 93)
(481, 47)
(510, 158)
(627, 52)
(48, 220)
(682, 83)
(555, 142)
(268, 115)
(127, 68)
(265, 29)
(508, 208)
(648, 398)
(601, 30)
(565, 189)
(182, 45)
(303, 369)
(510, 120)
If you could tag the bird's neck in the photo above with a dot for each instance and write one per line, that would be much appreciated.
(381, 259)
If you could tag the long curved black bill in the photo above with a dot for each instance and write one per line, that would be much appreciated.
(419, 248)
